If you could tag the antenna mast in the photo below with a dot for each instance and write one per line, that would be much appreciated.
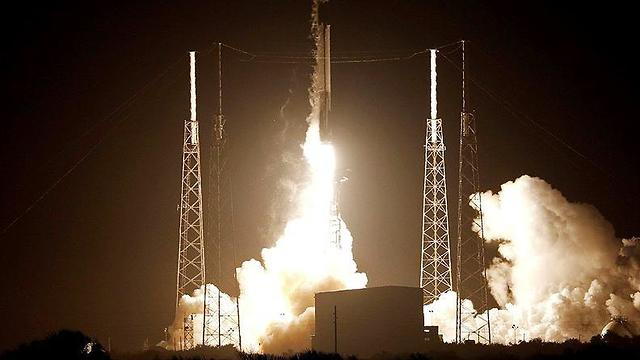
(221, 325)
(471, 279)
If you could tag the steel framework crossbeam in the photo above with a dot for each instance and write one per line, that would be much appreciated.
(471, 280)
(221, 325)
(436, 256)
(191, 256)
(188, 339)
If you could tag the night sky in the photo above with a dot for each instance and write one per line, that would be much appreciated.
(108, 83)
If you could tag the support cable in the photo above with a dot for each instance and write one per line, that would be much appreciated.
(285, 58)
(523, 117)
(117, 112)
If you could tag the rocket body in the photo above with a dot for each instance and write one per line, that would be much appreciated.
(323, 63)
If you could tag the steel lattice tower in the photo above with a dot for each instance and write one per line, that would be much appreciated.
(435, 265)
(221, 325)
(188, 341)
(471, 280)
(191, 265)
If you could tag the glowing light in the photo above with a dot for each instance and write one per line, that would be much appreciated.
(192, 78)
(434, 84)
(192, 83)
(277, 295)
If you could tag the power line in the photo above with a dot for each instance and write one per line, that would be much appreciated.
(118, 111)
(523, 117)
(287, 58)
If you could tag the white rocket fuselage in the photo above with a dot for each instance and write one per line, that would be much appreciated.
(323, 63)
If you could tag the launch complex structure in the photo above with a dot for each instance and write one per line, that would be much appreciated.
(221, 316)
(221, 319)
(435, 266)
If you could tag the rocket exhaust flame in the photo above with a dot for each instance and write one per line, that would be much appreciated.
(192, 84)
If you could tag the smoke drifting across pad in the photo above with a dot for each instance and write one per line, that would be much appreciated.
(560, 273)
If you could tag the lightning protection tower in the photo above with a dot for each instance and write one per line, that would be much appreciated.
(471, 280)
(435, 264)
(191, 265)
(221, 325)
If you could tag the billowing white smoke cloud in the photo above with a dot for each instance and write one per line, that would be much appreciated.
(561, 273)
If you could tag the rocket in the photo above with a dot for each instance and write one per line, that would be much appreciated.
(323, 69)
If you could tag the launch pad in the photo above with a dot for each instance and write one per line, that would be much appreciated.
(436, 275)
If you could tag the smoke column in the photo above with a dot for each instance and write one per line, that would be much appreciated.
(277, 293)
(561, 273)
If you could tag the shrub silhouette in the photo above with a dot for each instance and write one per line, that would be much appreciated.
(64, 344)
(72, 345)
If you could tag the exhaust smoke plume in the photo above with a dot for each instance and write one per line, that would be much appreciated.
(560, 273)
(277, 293)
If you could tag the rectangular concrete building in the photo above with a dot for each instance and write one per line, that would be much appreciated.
(364, 322)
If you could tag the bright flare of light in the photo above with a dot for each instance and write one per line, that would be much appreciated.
(434, 84)
(192, 84)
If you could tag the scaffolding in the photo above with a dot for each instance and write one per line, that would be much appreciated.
(472, 310)
(191, 265)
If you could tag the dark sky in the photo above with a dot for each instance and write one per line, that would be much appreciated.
(98, 252)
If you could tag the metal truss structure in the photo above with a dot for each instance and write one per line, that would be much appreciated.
(191, 265)
(188, 341)
(335, 218)
(221, 325)
(435, 265)
(335, 225)
(471, 280)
